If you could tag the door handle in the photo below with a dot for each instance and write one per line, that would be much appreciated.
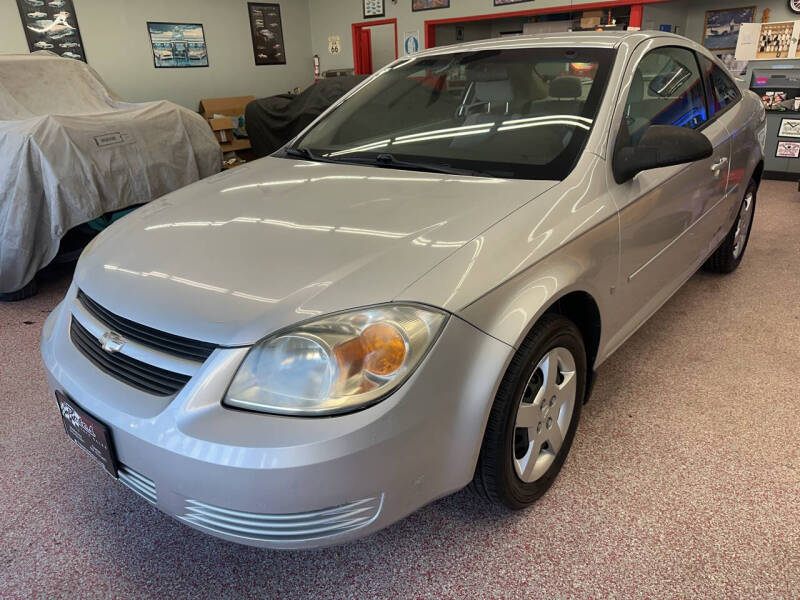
(719, 164)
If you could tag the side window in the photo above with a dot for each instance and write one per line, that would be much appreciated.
(722, 90)
(667, 89)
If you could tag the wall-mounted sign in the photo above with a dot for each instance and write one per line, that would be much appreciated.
(334, 44)
(775, 40)
(266, 30)
(374, 8)
(787, 150)
(768, 40)
(411, 42)
(722, 26)
(417, 5)
(794, 6)
(178, 45)
(52, 26)
(789, 128)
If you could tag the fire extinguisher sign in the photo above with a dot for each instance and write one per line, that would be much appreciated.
(411, 42)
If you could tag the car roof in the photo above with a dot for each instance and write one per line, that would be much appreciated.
(581, 39)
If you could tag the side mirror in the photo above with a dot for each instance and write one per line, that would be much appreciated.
(660, 146)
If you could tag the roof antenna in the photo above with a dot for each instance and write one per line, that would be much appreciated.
(571, 16)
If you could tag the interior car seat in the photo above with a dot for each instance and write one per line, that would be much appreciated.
(564, 98)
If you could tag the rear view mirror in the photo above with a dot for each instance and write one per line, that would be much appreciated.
(660, 146)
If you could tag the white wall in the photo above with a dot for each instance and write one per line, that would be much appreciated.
(334, 17)
(383, 48)
(447, 34)
(117, 45)
(666, 13)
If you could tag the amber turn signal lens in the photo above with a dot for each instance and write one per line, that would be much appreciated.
(384, 347)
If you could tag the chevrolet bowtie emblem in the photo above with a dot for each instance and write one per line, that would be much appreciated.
(112, 342)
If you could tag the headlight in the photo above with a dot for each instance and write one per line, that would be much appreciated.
(337, 363)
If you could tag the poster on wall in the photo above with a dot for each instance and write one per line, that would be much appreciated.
(52, 26)
(787, 150)
(789, 128)
(266, 30)
(374, 8)
(775, 40)
(721, 30)
(747, 42)
(178, 45)
(768, 40)
(773, 100)
(417, 5)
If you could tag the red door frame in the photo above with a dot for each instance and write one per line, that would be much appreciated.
(364, 51)
(357, 27)
(635, 18)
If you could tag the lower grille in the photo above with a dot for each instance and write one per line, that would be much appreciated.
(283, 527)
(148, 378)
(138, 483)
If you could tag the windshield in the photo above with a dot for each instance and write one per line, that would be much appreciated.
(518, 113)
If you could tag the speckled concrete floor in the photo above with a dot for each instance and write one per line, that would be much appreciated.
(684, 480)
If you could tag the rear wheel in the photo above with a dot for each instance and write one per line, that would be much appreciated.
(729, 254)
(534, 415)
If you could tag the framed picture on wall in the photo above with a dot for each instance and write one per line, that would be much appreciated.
(721, 29)
(178, 45)
(374, 8)
(787, 150)
(52, 26)
(417, 5)
(266, 29)
(789, 128)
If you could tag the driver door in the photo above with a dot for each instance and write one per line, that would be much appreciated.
(664, 212)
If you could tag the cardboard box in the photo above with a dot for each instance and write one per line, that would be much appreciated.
(233, 106)
(591, 19)
(223, 127)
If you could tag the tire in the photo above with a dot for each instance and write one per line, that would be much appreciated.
(730, 252)
(24, 292)
(503, 475)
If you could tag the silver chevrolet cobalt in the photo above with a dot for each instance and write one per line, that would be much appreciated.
(413, 295)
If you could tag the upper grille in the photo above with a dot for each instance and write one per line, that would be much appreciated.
(159, 340)
(148, 378)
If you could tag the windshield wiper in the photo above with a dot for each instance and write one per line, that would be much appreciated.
(384, 160)
(302, 153)
(387, 160)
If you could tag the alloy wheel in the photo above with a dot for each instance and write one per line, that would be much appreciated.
(743, 225)
(544, 414)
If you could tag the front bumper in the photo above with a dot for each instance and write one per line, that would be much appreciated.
(289, 482)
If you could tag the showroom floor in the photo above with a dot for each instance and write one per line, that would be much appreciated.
(684, 479)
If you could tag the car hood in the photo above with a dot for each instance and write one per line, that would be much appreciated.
(241, 254)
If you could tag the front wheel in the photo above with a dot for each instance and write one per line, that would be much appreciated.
(534, 415)
(729, 254)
